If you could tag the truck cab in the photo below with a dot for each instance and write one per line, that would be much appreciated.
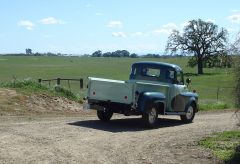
(153, 88)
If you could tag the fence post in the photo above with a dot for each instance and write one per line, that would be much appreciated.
(217, 93)
(81, 83)
(58, 81)
(39, 80)
(69, 85)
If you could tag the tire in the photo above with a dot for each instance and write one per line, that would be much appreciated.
(105, 115)
(150, 116)
(188, 118)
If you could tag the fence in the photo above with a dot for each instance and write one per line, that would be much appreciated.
(224, 94)
(58, 82)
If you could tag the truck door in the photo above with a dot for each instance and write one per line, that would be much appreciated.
(177, 100)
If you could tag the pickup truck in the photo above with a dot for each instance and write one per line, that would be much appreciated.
(153, 88)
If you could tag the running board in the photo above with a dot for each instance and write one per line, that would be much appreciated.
(175, 113)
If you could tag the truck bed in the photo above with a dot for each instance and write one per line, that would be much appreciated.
(110, 90)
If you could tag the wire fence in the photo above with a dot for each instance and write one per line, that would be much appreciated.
(224, 94)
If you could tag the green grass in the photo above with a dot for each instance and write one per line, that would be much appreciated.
(223, 145)
(213, 105)
(28, 86)
(22, 67)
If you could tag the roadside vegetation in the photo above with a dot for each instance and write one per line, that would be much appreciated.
(28, 86)
(224, 146)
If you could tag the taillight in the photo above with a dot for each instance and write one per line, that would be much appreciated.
(94, 93)
(125, 97)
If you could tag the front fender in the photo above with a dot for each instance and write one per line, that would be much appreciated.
(147, 98)
(193, 99)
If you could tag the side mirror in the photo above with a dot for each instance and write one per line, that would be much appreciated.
(188, 81)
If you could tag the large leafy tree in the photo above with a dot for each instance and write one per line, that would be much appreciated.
(235, 49)
(199, 38)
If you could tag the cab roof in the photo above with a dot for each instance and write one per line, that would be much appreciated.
(157, 64)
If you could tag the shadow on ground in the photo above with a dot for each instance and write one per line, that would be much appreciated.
(124, 125)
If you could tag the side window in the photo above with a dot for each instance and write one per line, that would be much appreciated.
(180, 78)
(169, 76)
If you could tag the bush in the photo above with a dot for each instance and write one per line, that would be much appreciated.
(28, 85)
(65, 93)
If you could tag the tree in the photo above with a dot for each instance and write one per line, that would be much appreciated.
(133, 55)
(28, 51)
(97, 54)
(199, 38)
(125, 53)
(107, 54)
(235, 48)
(120, 53)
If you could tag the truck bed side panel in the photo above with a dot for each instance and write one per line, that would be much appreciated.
(110, 90)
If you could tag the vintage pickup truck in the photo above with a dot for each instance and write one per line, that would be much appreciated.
(153, 88)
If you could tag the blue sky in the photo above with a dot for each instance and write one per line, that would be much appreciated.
(84, 26)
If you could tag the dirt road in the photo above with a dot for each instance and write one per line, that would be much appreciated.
(123, 140)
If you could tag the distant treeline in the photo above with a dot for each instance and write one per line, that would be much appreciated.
(35, 54)
(125, 53)
(118, 53)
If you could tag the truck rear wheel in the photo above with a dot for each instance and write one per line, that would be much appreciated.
(105, 115)
(189, 116)
(150, 116)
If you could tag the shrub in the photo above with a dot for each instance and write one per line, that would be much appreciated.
(29, 85)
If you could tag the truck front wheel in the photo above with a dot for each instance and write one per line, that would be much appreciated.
(150, 116)
(104, 115)
(189, 116)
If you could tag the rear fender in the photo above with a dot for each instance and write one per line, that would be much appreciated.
(148, 98)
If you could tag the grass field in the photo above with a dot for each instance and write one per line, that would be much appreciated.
(224, 145)
(21, 67)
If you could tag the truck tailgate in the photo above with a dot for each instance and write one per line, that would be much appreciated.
(110, 90)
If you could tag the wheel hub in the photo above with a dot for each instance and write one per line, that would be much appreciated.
(152, 115)
(189, 113)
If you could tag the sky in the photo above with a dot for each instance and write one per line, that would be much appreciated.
(84, 26)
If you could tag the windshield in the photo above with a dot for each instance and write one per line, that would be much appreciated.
(150, 73)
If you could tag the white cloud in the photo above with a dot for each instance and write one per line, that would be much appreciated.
(231, 30)
(235, 11)
(52, 20)
(162, 31)
(210, 20)
(119, 34)
(143, 48)
(115, 24)
(166, 29)
(170, 25)
(137, 34)
(235, 18)
(27, 24)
